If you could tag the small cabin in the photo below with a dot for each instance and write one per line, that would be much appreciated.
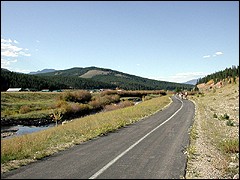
(15, 89)
(45, 90)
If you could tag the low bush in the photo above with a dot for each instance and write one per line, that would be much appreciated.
(224, 117)
(122, 104)
(215, 115)
(80, 96)
(24, 109)
(75, 109)
(229, 145)
(229, 123)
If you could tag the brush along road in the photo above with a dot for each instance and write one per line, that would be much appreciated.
(154, 147)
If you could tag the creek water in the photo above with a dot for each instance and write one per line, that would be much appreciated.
(21, 130)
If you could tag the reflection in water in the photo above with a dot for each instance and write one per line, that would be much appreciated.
(21, 130)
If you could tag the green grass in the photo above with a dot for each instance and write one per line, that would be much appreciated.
(17, 104)
(44, 143)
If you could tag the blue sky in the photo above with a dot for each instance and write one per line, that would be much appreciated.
(171, 41)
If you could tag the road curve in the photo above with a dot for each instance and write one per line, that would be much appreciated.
(152, 148)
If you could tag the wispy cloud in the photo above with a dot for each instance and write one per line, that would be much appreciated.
(6, 63)
(10, 52)
(207, 56)
(214, 55)
(8, 49)
(182, 77)
(20, 70)
(6, 40)
(219, 53)
(24, 54)
(15, 41)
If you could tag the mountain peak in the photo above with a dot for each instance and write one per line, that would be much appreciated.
(192, 82)
(43, 71)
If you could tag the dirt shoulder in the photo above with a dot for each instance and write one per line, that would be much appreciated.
(214, 148)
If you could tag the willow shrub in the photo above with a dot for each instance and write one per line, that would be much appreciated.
(80, 96)
(229, 145)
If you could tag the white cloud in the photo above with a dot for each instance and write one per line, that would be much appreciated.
(16, 42)
(182, 77)
(10, 50)
(214, 55)
(10, 47)
(24, 54)
(207, 56)
(20, 70)
(6, 40)
(37, 41)
(219, 53)
(9, 54)
(6, 63)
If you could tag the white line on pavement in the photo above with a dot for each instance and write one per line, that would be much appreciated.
(132, 146)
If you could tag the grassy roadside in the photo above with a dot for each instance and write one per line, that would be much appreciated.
(20, 150)
(213, 152)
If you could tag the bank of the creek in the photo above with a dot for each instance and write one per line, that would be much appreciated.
(16, 127)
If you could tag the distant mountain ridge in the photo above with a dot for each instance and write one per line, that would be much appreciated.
(192, 82)
(4, 69)
(115, 78)
(100, 78)
(85, 78)
(43, 71)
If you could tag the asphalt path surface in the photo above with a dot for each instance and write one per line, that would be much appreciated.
(153, 148)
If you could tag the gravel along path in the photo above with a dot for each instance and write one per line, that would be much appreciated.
(214, 148)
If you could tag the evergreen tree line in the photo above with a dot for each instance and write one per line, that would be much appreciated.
(38, 82)
(231, 72)
(121, 80)
(19, 80)
(132, 82)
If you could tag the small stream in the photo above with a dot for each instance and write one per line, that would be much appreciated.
(11, 131)
(17, 130)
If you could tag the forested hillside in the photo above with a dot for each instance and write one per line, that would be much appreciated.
(85, 78)
(119, 79)
(231, 72)
(12, 79)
